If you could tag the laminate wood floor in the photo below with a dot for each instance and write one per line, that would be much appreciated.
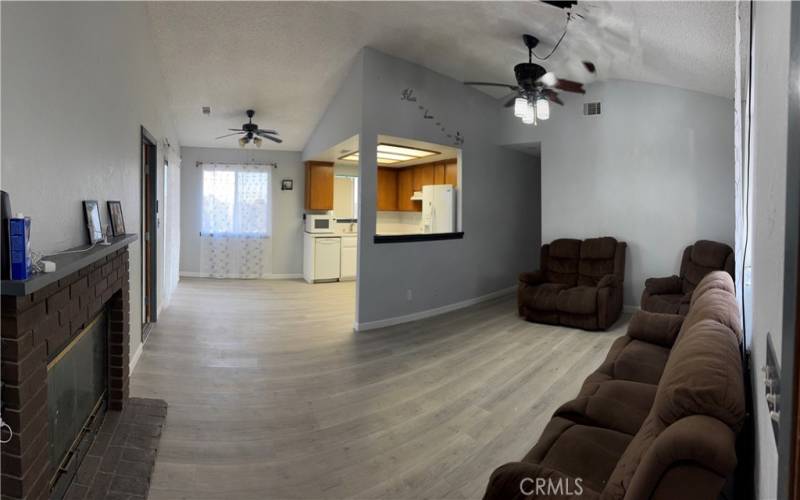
(273, 396)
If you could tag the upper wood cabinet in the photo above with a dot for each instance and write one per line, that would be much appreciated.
(319, 185)
(451, 173)
(405, 189)
(438, 172)
(423, 176)
(387, 189)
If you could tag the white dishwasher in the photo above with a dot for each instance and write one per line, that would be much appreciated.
(327, 258)
(349, 257)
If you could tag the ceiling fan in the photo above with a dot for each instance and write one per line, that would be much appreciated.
(251, 132)
(536, 87)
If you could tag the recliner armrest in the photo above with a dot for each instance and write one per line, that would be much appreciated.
(655, 328)
(532, 278)
(660, 286)
(609, 280)
(699, 440)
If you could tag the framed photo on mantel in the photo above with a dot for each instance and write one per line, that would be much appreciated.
(115, 215)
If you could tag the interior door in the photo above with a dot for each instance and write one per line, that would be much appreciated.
(149, 231)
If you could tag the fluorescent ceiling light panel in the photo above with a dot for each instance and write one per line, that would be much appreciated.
(405, 150)
(389, 154)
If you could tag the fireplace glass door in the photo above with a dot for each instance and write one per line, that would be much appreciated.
(76, 387)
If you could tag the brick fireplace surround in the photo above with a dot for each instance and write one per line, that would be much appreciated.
(38, 325)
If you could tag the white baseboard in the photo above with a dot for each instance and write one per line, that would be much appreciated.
(135, 358)
(630, 309)
(382, 323)
(192, 274)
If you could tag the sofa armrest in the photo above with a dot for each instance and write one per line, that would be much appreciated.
(655, 328)
(660, 286)
(698, 440)
(532, 278)
(609, 280)
(518, 481)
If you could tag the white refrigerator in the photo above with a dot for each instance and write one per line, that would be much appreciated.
(438, 208)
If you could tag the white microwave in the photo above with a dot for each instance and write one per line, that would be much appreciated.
(320, 223)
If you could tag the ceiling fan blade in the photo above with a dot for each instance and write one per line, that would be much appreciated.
(570, 86)
(228, 135)
(552, 96)
(273, 139)
(262, 131)
(236, 130)
(492, 84)
(590, 67)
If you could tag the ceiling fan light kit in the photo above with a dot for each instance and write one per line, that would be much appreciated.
(536, 87)
(251, 133)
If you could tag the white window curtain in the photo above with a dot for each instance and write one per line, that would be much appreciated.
(235, 235)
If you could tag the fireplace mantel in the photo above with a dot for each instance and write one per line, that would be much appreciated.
(66, 264)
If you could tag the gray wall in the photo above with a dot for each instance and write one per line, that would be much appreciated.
(768, 169)
(499, 190)
(78, 81)
(655, 169)
(342, 118)
(287, 206)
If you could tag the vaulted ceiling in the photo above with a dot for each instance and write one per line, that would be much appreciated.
(286, 60)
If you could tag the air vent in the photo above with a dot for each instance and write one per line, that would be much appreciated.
(591, 108)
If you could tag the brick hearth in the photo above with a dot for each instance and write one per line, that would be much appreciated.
(35, 327)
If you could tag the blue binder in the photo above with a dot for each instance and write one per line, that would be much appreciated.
(19, 247)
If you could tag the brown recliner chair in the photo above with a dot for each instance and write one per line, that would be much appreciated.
(579, 284)
(673, 293)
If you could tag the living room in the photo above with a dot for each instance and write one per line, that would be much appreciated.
(616, 281)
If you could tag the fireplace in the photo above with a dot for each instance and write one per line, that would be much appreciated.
(65, 356)
(76, 400)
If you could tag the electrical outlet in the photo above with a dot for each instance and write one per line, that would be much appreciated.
(409, 295)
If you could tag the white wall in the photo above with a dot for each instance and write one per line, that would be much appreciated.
(78, 81)
(499, 188)
(287, 206)
(771, 23)
(655, 169)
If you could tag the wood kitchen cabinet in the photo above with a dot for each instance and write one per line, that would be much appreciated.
(423, 175)
(387, 189)
(319, 185)
(405, 189)
(451, 173)
(439, 172)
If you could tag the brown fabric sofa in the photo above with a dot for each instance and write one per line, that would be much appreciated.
(579, 284)
(673, 293)
(657, 420)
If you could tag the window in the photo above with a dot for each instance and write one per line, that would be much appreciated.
(236, 200)
(345, 197)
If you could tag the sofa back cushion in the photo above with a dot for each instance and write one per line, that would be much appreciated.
(714, 298)
(703, 376)
(560, 261)
(596, 260)
(702, 258)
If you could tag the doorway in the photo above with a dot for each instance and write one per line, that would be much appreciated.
(149, 231)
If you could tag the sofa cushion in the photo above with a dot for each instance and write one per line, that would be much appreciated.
(718, 305)
(580, 451)
(666, 304)
(619, 405)
(598, 248)
(715, 280)
(710, 253)
(597, 260)
(565, 248)
(543, 297)
(656, 328)
(578, 300)
(641, 362)
(561, 262)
